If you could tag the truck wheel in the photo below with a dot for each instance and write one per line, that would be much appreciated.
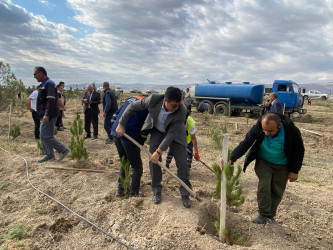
(323, 98)
(221, 109)
(209, 106)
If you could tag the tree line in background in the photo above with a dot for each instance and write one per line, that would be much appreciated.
(12, 90)
(10, 87)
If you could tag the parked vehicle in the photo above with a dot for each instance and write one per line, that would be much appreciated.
(219, 97)
(151, 91)
(135, 91)
(119, 89)
(315, 94)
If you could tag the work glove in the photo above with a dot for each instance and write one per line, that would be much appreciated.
(197, 156)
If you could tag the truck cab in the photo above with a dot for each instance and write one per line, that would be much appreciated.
(289, 94)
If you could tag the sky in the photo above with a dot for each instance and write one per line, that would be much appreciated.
(168, 41)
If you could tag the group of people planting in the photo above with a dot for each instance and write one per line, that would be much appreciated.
(274, 142)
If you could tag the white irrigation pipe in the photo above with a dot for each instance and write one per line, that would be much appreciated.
(70, 210)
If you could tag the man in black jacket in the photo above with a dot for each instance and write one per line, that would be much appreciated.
(110, 106)
(91, 100)
(48, 111)
(277, 146)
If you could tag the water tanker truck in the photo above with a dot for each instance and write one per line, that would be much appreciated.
(220, 97)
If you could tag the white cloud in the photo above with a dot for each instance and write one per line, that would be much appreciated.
(174, 41)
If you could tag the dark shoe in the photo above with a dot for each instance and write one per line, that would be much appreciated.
(260, 219)
(46, 158)
(95, 137)
(108, 141)
(120, 193)
(186, 201)
(87, 136)
(157, 198)
(273, 222)
(61, 129)
(63, 155)
(139, 194)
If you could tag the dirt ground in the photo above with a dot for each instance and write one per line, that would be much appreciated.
(305, 212)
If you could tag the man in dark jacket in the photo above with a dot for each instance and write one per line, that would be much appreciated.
(91, 100)
(127, 148)
(110, 106)
(277, 146)
(165, 123)
(274, 105)
(48, 111)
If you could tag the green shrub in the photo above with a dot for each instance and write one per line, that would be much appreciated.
(78, 151)
(233, 195)
(3, 185)
(247, 119)
(40, 147)
(206, 117)
(215, 135)
(308, 118)
(126, 179)
(15, 131)
(17, 232)
(223, 127)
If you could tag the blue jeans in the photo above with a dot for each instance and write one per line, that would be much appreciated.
(107, 124)
(47, 138)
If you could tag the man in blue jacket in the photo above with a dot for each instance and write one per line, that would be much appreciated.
(127, 148)
(277, 146)
(48, 111)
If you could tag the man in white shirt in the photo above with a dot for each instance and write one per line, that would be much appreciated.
(32, 106)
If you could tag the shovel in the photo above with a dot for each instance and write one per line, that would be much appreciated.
(164, 168)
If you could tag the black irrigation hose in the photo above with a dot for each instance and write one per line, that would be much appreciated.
(70, 210)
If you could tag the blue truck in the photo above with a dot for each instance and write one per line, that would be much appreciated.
(222, 97)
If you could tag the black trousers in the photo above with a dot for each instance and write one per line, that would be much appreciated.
(91, 117)
(37, 124)
(132, 154)
(59, 123)
(179, 153)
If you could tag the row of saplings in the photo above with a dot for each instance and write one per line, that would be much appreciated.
(234, 196)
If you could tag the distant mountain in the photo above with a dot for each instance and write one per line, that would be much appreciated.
(129, 86)
(326, 88)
